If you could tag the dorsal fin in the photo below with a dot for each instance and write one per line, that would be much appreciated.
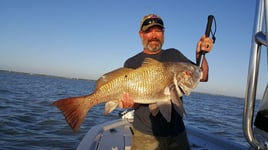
(111, 75)
(150, 61)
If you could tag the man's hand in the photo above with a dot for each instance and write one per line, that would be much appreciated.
(126, 101)
(205, 44)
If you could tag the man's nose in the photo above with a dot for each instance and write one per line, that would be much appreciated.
(154, 34)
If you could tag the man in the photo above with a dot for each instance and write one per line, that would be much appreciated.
(154, 132)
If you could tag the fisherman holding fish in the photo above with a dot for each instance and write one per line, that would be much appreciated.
(153, 83)
(155, 132)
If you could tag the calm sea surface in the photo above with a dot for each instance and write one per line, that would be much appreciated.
(28, 120)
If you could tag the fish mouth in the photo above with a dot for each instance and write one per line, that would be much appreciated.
(185, 90)
(181, 89)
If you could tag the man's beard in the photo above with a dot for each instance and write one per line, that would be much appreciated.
(146, 45)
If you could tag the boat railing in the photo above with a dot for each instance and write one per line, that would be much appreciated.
(259, 39)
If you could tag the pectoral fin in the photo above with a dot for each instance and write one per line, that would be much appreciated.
(165, 109)
(176, 100)
(178, 106)
(110, 106)
(154, 109)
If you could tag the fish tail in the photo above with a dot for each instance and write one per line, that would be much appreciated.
(74, 109)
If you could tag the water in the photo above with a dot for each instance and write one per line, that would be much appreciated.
(28, 120)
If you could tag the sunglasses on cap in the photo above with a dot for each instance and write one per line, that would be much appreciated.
(150, 21)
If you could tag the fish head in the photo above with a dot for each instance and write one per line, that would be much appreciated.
(186, 77)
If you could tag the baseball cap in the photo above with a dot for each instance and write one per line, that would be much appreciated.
(149, 21)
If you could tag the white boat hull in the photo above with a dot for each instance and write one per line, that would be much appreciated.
(116, 135)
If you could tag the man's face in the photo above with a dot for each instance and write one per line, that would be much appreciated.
(152, 39)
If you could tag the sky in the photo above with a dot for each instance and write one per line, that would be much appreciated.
(87, 38)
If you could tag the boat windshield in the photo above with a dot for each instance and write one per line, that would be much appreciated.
(261, 120)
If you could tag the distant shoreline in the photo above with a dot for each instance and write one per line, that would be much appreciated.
(37, 74)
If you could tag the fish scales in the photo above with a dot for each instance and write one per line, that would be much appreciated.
(146, 89)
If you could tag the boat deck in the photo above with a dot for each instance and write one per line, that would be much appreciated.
(116, 135)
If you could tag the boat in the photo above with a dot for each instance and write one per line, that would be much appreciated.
(116, 134)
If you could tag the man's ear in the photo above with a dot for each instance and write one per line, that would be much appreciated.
(140, 34)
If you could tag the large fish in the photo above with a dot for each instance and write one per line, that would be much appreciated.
(155, 83)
